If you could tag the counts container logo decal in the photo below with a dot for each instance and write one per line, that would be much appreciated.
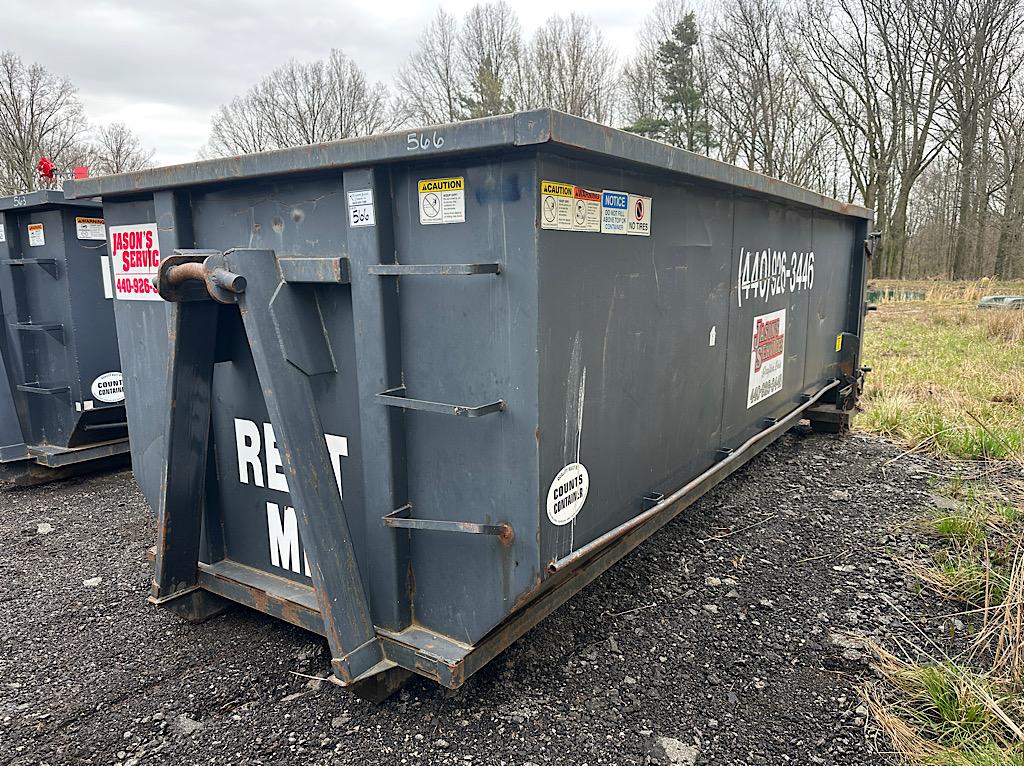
(568, 493)
(767, 356)
(108, 387)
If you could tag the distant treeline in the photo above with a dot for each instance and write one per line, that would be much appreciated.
(914, 108)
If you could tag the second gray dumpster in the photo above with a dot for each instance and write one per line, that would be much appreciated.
(61, 399)
(415, 390)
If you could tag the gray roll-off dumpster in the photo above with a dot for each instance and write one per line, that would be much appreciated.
(61, 398)
(413, 391)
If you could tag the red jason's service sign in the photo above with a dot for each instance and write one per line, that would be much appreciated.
(135, 256)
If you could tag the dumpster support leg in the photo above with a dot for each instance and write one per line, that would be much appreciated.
(179, 520)
(288, 344)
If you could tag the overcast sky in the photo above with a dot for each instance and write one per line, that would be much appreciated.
(164, 67)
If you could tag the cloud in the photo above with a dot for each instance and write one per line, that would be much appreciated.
(164, 68)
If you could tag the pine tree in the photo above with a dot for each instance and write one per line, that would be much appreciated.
(682, 99)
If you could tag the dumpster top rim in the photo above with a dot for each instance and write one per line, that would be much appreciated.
(518, 129)
(45, 197)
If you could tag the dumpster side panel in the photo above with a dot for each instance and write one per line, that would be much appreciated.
(836, 286)
(41, 294)
(13, 409)
(766, 383)
(142, 343)
(471, 340)
(657, 352)
(92, 338)
(632, 339)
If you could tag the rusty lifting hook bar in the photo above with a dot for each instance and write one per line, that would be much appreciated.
(401, 519)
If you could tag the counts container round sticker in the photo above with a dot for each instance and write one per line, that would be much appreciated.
(108, 387)
(568, 493)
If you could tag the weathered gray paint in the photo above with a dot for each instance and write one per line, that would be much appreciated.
(58, 333)
(629, 315)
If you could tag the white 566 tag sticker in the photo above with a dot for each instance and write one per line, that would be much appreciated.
(360, 208)
(568, 493)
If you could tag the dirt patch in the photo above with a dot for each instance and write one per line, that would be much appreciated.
(724, 639)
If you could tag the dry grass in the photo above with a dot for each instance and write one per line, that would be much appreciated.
(1006, 326)
(969, 710)
(946, 377)
(941, 291)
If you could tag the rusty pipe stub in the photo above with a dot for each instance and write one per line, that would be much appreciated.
(177, 274)
(180, 275)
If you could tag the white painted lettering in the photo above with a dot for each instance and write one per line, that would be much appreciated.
(247, 442)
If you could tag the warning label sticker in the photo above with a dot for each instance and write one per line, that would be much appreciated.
(767, 356)
(614, 212)
(3, 234)
(90, 228)
(567, 493)
(586, 209)
(135, 256)
(443, 200)
(556, 206)
(360, 208)
(36, 237)
(639, 222)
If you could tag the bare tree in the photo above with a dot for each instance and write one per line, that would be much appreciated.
(115, 149)
(490, 47)
(303, 103)
(429, 85)
(984, 55)
(40, 115)
(572, 68)
(1009, 122)
(764, 119)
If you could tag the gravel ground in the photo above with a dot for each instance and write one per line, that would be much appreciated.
(722, 640)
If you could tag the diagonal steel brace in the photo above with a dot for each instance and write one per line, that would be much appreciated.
(275, 314)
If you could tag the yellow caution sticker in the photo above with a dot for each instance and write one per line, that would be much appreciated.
(556, 189)
(839, 342)
(442, 200)
(556, 206)
(442, 184)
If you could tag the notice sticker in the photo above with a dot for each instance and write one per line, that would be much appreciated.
(135, 257)
(360, 208)
(614, 212)
(90, 228)
(639, 222)
(36, 236)
(108, 387)
(568, 493)
(767, 356)
(556, 206)
(3, 234)
(443, 200)
(586, 210)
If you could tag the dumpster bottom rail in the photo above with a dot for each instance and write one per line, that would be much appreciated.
(697, 486)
